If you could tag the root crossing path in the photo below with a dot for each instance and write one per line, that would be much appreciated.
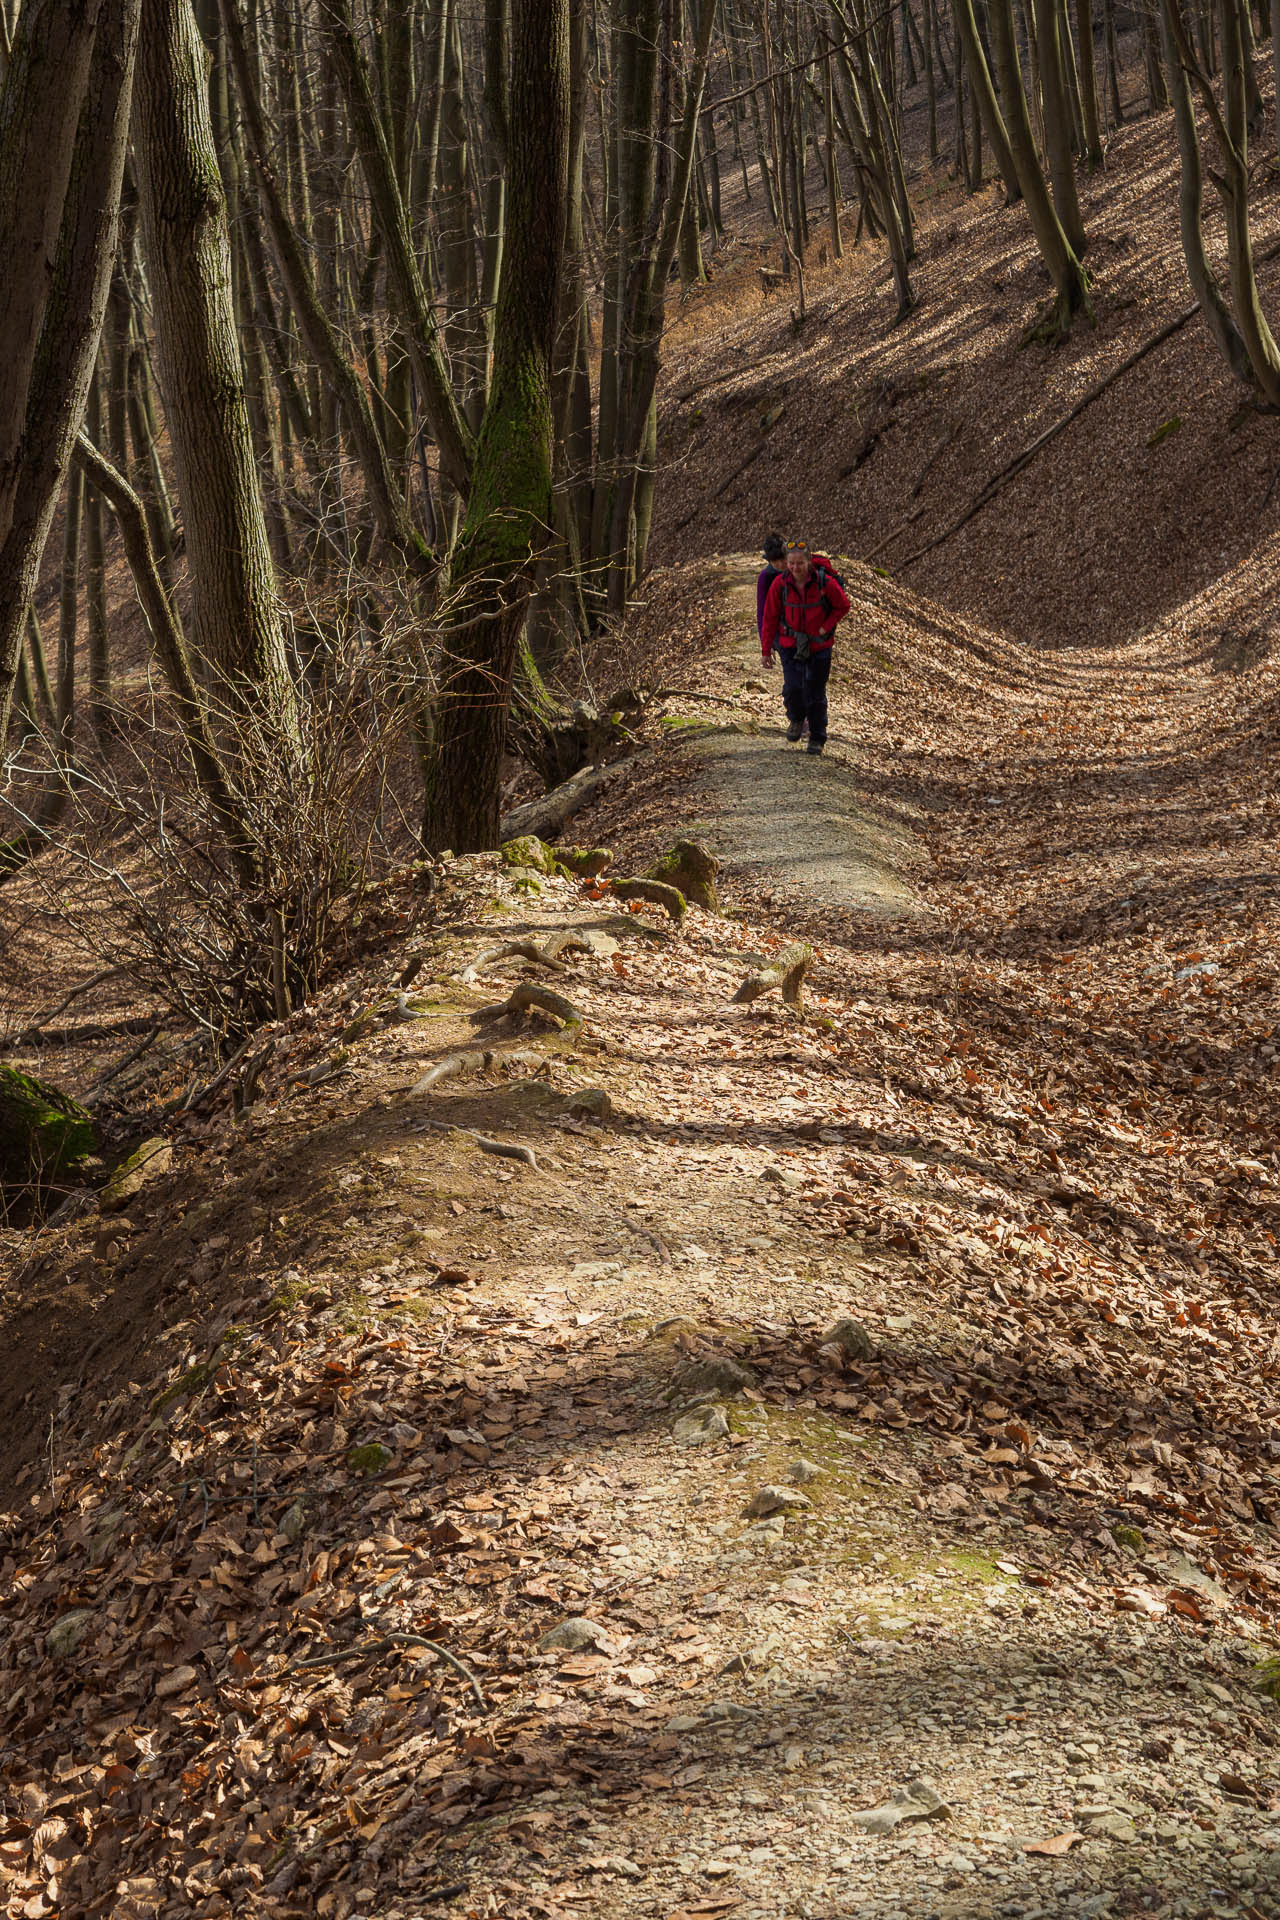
(842, 1461)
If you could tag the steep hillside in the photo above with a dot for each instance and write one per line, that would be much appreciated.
(887, 433)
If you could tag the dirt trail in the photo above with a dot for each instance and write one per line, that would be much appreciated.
(1021, 1137)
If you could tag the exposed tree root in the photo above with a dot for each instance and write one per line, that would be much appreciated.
(474, 1060)
(527, 998)
(503, 1150)
(547, 955)
(656, 892)
(787, 972)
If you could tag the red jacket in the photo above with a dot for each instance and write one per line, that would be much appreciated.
(816, 611)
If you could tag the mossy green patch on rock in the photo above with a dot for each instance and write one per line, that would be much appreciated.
(531, 854)
(692, 870)
(146, 1163)
(586, 863)
(44, 1134)
(371, 1458)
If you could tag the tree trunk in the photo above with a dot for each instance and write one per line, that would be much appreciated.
(1071, 285)
(509, 510)
(1089, 84)
(321, 335)
(235, 616)
(1057, 122)
(985, 93)
(100, 716)
(1204, 282)
(63, 131)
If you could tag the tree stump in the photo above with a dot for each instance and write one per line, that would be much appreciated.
(44, 1134)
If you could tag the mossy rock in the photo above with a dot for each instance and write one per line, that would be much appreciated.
(585, 863)
(369, 1459)
(530, 853)
(44, 1134)
(1267, 1677)
(146, 1163)
(692, 871)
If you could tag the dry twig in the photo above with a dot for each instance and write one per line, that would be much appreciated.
(369, 1649)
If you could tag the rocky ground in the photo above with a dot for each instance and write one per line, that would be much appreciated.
(834, 1474)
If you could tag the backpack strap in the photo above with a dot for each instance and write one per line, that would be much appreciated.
(821, 575)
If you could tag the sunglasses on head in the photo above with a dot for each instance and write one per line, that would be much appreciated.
(797, 546)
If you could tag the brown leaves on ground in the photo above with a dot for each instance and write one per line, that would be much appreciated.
(1028, 1142)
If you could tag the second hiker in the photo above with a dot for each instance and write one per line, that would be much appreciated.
(802, 609)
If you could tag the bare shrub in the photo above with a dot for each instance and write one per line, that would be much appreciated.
(148, 881)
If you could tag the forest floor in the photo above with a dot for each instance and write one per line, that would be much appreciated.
(342, 1399)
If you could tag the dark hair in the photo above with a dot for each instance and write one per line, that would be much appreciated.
(775, 547)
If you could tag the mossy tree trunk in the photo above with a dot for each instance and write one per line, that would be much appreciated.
(508, 521)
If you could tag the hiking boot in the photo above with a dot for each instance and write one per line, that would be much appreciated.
(815, 746)
(795, 730)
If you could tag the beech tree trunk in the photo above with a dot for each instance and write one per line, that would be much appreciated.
(235, 618)
(1071, 286)
(64, 117)
(508, 520)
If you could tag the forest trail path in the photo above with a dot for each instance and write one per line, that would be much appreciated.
(798, 826)
(1023, 1137)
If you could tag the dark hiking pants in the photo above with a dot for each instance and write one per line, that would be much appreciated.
(804, 690)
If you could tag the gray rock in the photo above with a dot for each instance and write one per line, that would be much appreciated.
(698, 1428)
(783, 1176)
(145, 1164)
(770, 1500)
(573, 1636)
(851, 1339)
(1110, 1826)
(766, 1530)
(802, 1471)
(294, 1523)
(720, 1373)
(66, 1633)
(918, 1800)
(591, 1102)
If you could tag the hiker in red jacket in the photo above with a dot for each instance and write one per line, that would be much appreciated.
(803, 608)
